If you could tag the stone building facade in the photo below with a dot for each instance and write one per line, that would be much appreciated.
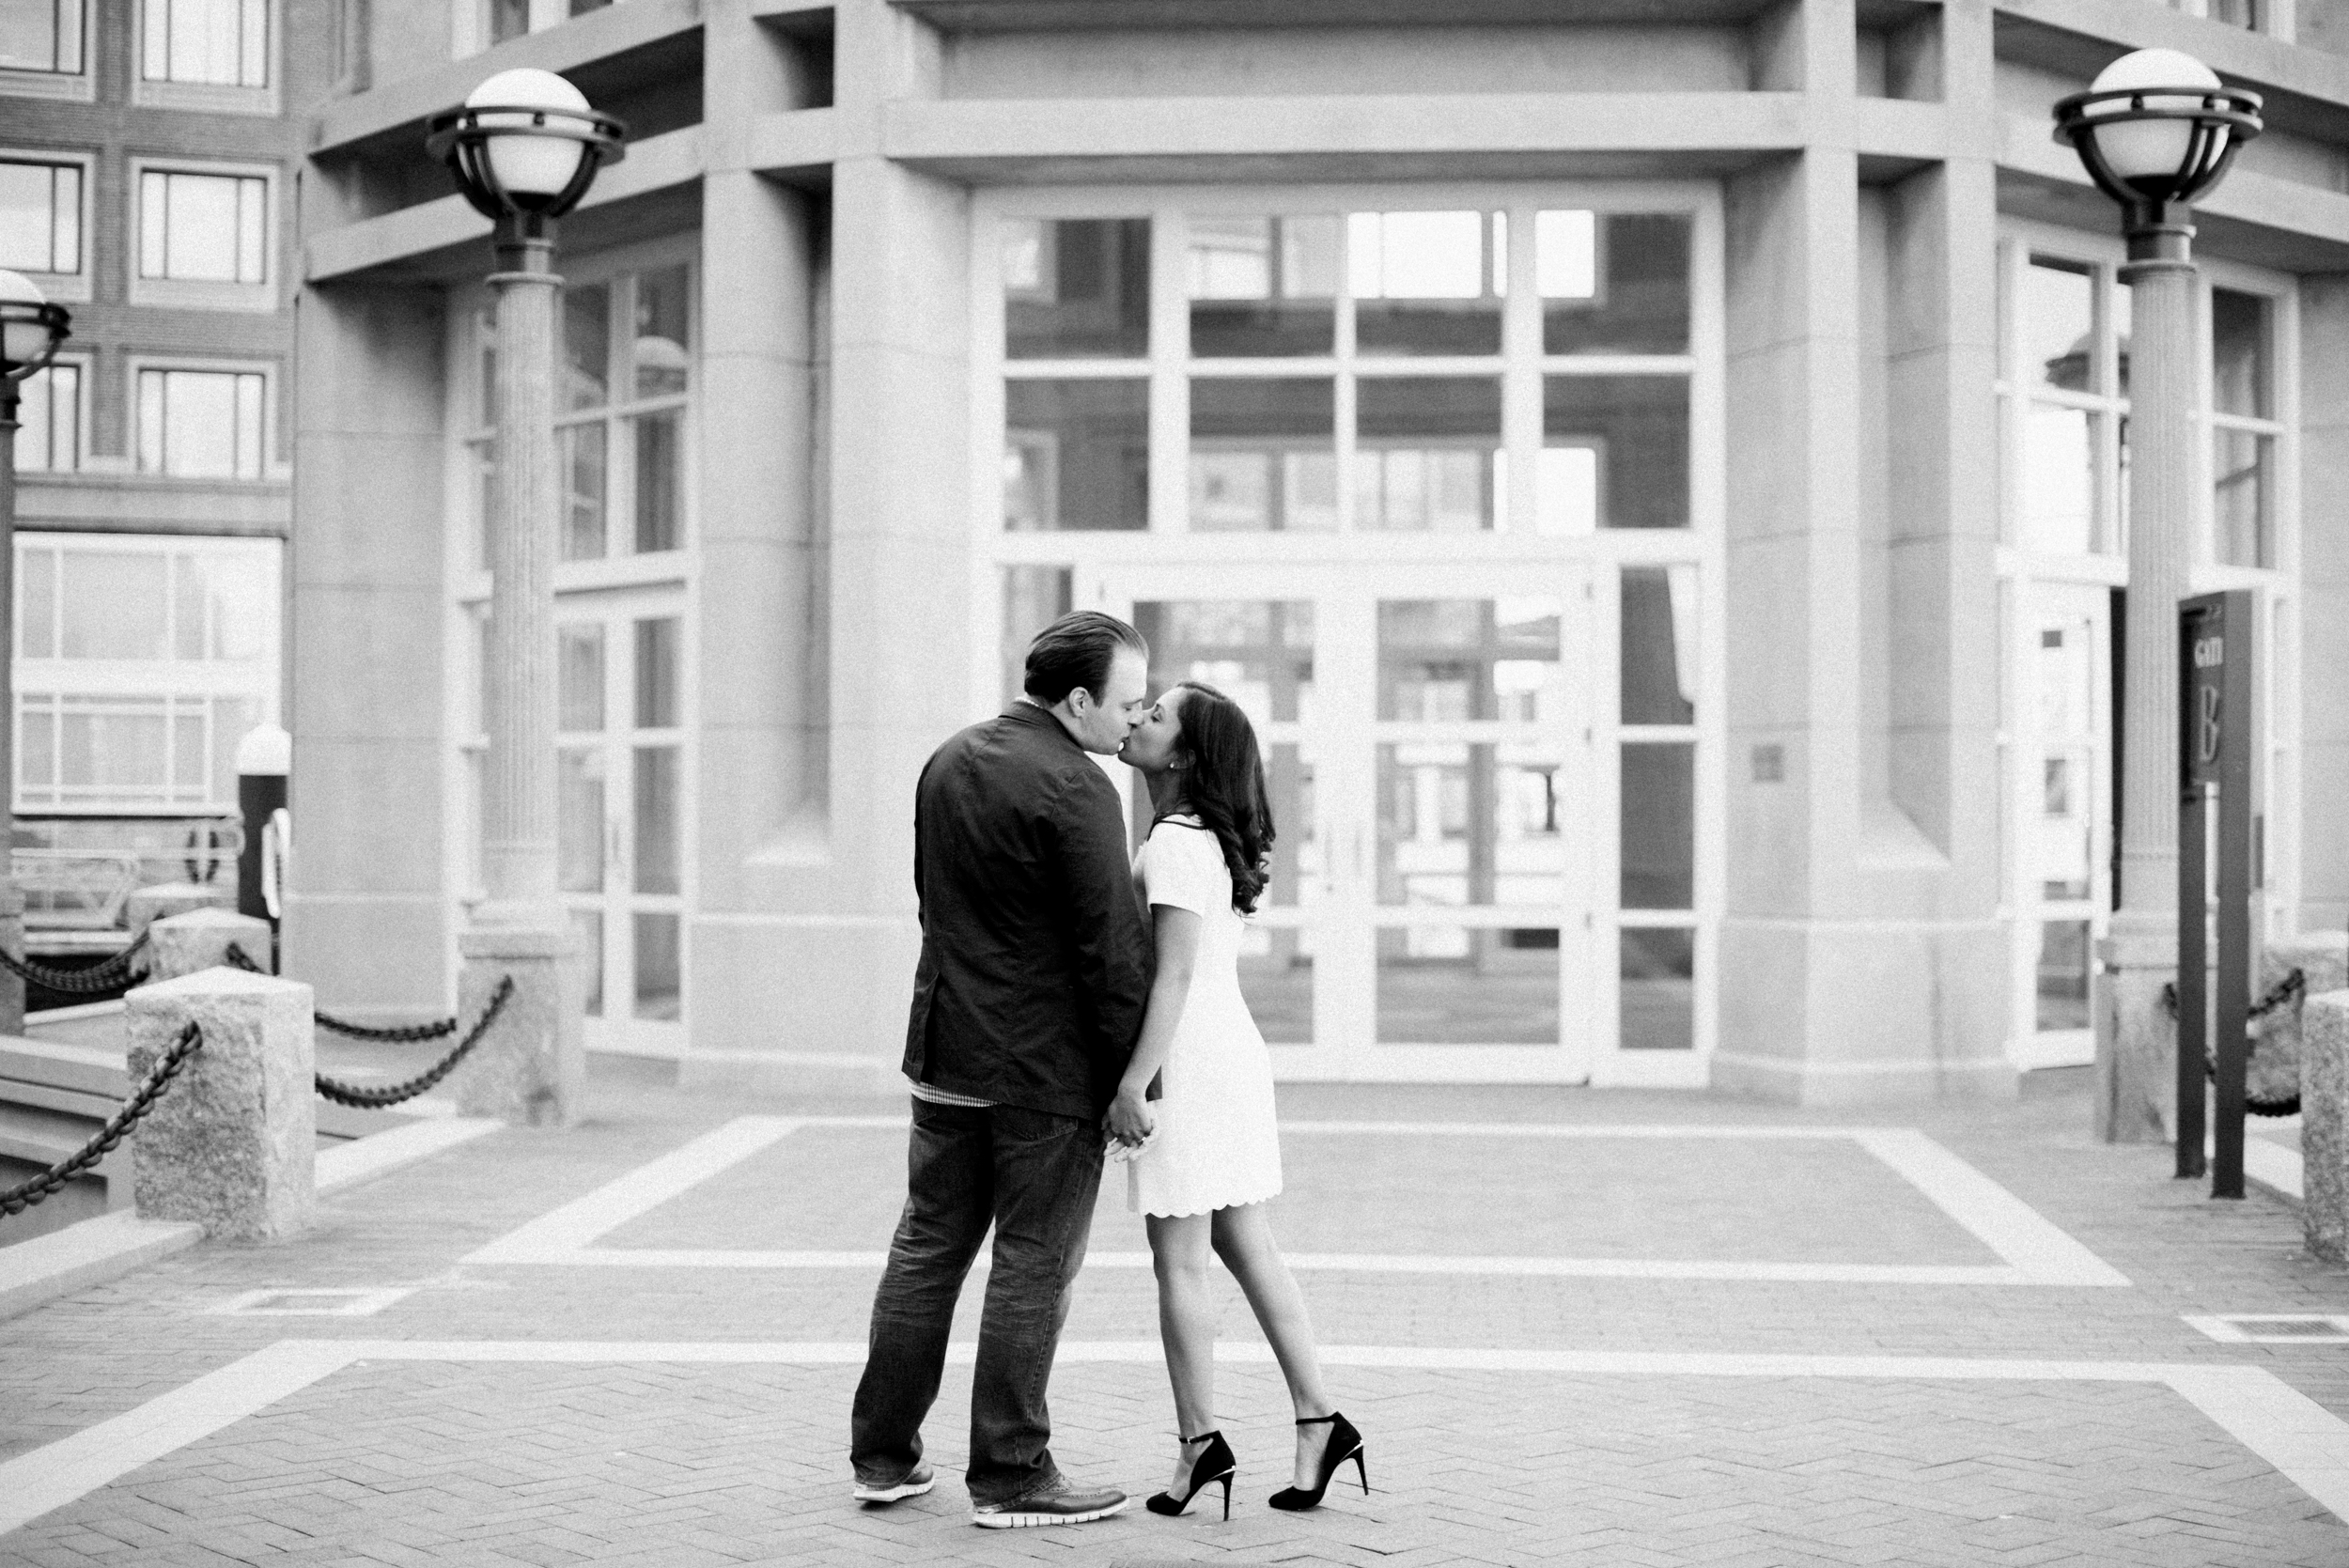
(1655, 474)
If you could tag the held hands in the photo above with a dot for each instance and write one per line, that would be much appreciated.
(1128, 1123)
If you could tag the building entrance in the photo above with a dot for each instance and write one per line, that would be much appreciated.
(1441, 743)
(620, 748)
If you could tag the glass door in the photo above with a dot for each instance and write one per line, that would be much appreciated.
(2064, 811)
(621, 774)
(1427, 744)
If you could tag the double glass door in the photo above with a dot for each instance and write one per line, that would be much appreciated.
(2064, 806)
(1427, 738)
(620, 766)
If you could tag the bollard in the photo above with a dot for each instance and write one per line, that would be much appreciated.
(200, 939)
(166, 899)
(2325, 1125)
(531, 1067)
(231, 1143)
(2323, 960)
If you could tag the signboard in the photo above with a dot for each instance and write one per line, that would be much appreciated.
(2216, 646)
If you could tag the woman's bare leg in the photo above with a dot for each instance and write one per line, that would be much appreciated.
(1243, 1239)
(1179, 1247)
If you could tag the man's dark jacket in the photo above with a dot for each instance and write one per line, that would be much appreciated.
(1035, 958)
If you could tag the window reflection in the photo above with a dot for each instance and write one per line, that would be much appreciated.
(1075, 455)
(586, 345)
(579, 677)
(1612, 282)
(1257, 652)
(1656, 970)
(1034, 597)
(1469, 824)
(1264, 286)
(1659, 644)
(1453, 984)
(2240, 376)
(1615, 452)
(2064, 974)
(1263, 454)
(1427, 455)
(2058, 323)
(2242, 501)
(1426, 283)
(2059, 481)
(1658, 837)
(1077, 289)
(1452, 660)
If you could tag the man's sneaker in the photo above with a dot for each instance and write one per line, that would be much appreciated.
(917, 1481)
(1056, 1504)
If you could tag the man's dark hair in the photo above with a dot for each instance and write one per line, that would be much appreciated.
(1076, 651)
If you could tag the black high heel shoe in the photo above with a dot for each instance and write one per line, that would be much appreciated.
(1344, 1444)
(1215, 1463)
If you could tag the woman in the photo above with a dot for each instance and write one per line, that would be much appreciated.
(1207, 1155)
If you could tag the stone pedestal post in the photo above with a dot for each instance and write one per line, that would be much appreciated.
(530, 1069)
(2137, 1039)
(2323, 960)
(166, 899)
(12, 939)
(230, 1144)
(2325, 1125)
(200, 939)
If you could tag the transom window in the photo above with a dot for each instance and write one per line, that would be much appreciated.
(49, 420)
(214, 43)
(202, 227)
(41, 216)
(203, 423)
(1350, 371)
(41, 35)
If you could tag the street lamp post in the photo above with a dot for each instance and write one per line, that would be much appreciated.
(2156, 130)
(31, 331)
(524, 148)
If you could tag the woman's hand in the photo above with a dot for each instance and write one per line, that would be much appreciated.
(1128, 1120)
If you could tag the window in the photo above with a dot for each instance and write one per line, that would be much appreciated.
(213, 42)
(203, 228)
(624, 385)
(2250, 15)
(41, 216)
(2245, 429)
(1345, 372)
(141, 662)
(502, 19)
(2066, 377)
(49, 421)
(203, 423)
(41, 35)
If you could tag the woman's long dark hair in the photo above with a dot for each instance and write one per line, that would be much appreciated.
(1224, 787)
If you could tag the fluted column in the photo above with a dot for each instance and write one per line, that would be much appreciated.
(517, 791)
(2137, 1039)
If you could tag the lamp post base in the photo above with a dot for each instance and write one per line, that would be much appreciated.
(2137, 1037)
(530, 1068)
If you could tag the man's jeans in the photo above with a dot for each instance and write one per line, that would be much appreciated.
(1033, 1177)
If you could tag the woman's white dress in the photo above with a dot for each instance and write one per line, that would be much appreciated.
(1216, 1145)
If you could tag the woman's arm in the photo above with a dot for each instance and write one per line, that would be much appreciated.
(1177, 934)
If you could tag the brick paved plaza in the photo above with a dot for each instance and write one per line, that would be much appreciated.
(1575, 1327)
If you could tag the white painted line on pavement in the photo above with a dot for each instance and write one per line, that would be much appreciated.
(363, 1158)
(310, 1302)
(2032, 1251)
(2000, 1220)
(2306, 1443)
(51, 1476)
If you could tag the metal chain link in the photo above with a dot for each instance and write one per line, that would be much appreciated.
(398, 1034)
(17, 1198)
(102, 976)
(2287, 989)
(374, 1100)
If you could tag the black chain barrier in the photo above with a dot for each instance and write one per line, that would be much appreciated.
(17, 1198)
(375, 1099)
(398, 1034)
(2283, 991)
(97, 977)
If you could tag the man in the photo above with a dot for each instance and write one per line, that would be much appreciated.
(1026, 1004)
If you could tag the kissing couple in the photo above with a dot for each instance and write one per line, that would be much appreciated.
(1053, 1026)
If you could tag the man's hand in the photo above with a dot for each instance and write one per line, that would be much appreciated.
(1128, 1121)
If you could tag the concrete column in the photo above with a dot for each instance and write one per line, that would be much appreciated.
(2324, 610)
(365, 910)
(530, 1069)
(231, 1143)
(518, 795)
(2136, 1037)
(180, 945)
(2324, 1126)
